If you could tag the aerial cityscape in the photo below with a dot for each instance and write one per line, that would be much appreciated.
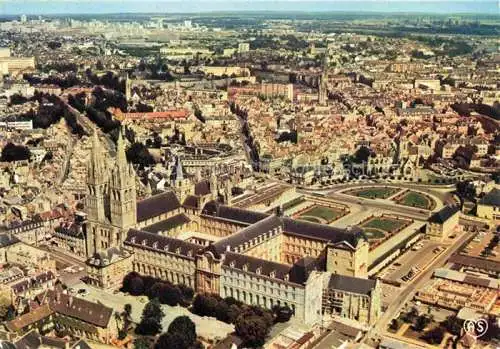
(249, 174)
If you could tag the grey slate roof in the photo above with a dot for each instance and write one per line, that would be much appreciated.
(167, 224)
(324, 232)
(245, 217)
(252, 231)
(292, 227)
(351, 284)
(191, 201)
(202, 188)
(161, 243)
(444, 214)
(78, 308)
(157, 205)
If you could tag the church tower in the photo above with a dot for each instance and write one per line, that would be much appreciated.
(96, 183)
(122, 191)
(182, 186)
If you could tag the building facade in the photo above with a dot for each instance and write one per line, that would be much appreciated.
(258, 258)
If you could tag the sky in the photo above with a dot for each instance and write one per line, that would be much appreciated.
(17, 7)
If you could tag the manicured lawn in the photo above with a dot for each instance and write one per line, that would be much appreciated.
(324, 213)
(415, 199)
(310, 219)
(384, 224)
(374, 234)
(375, 192)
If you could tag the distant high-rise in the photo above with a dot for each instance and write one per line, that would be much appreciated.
(24, 19)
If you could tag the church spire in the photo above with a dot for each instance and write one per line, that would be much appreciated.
(96, 179)
(96, 163)
(121, 157)
(179, 171)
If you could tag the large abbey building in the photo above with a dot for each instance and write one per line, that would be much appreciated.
(191, 235)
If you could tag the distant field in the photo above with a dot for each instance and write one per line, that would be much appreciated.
(374, 193)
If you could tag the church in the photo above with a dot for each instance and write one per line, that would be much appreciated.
(191, 235)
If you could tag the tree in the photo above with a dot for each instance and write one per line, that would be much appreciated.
(17, 99)
(411, 315)
(139, 154)
(395, 324)
(252, 330)
(148, 327)
(205, 305)
(170, 341)
(170, 295)
(13, 152)
(141, 343)
(361, 155)
(185, 328)
(151, 318)
(421, 322)
(187, 292)
(153, 310)
(133, 284)
(453, 325)
(434, 336)
(155, 291)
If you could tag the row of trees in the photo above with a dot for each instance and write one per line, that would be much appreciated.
(164, 291)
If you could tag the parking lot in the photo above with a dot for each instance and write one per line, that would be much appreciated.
(418, 260)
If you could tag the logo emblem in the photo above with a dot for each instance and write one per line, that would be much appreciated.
(476, 328)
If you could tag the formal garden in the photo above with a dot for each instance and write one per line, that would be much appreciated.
(379, 229)
(415, 199)
(374, 192)
(321, 214)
